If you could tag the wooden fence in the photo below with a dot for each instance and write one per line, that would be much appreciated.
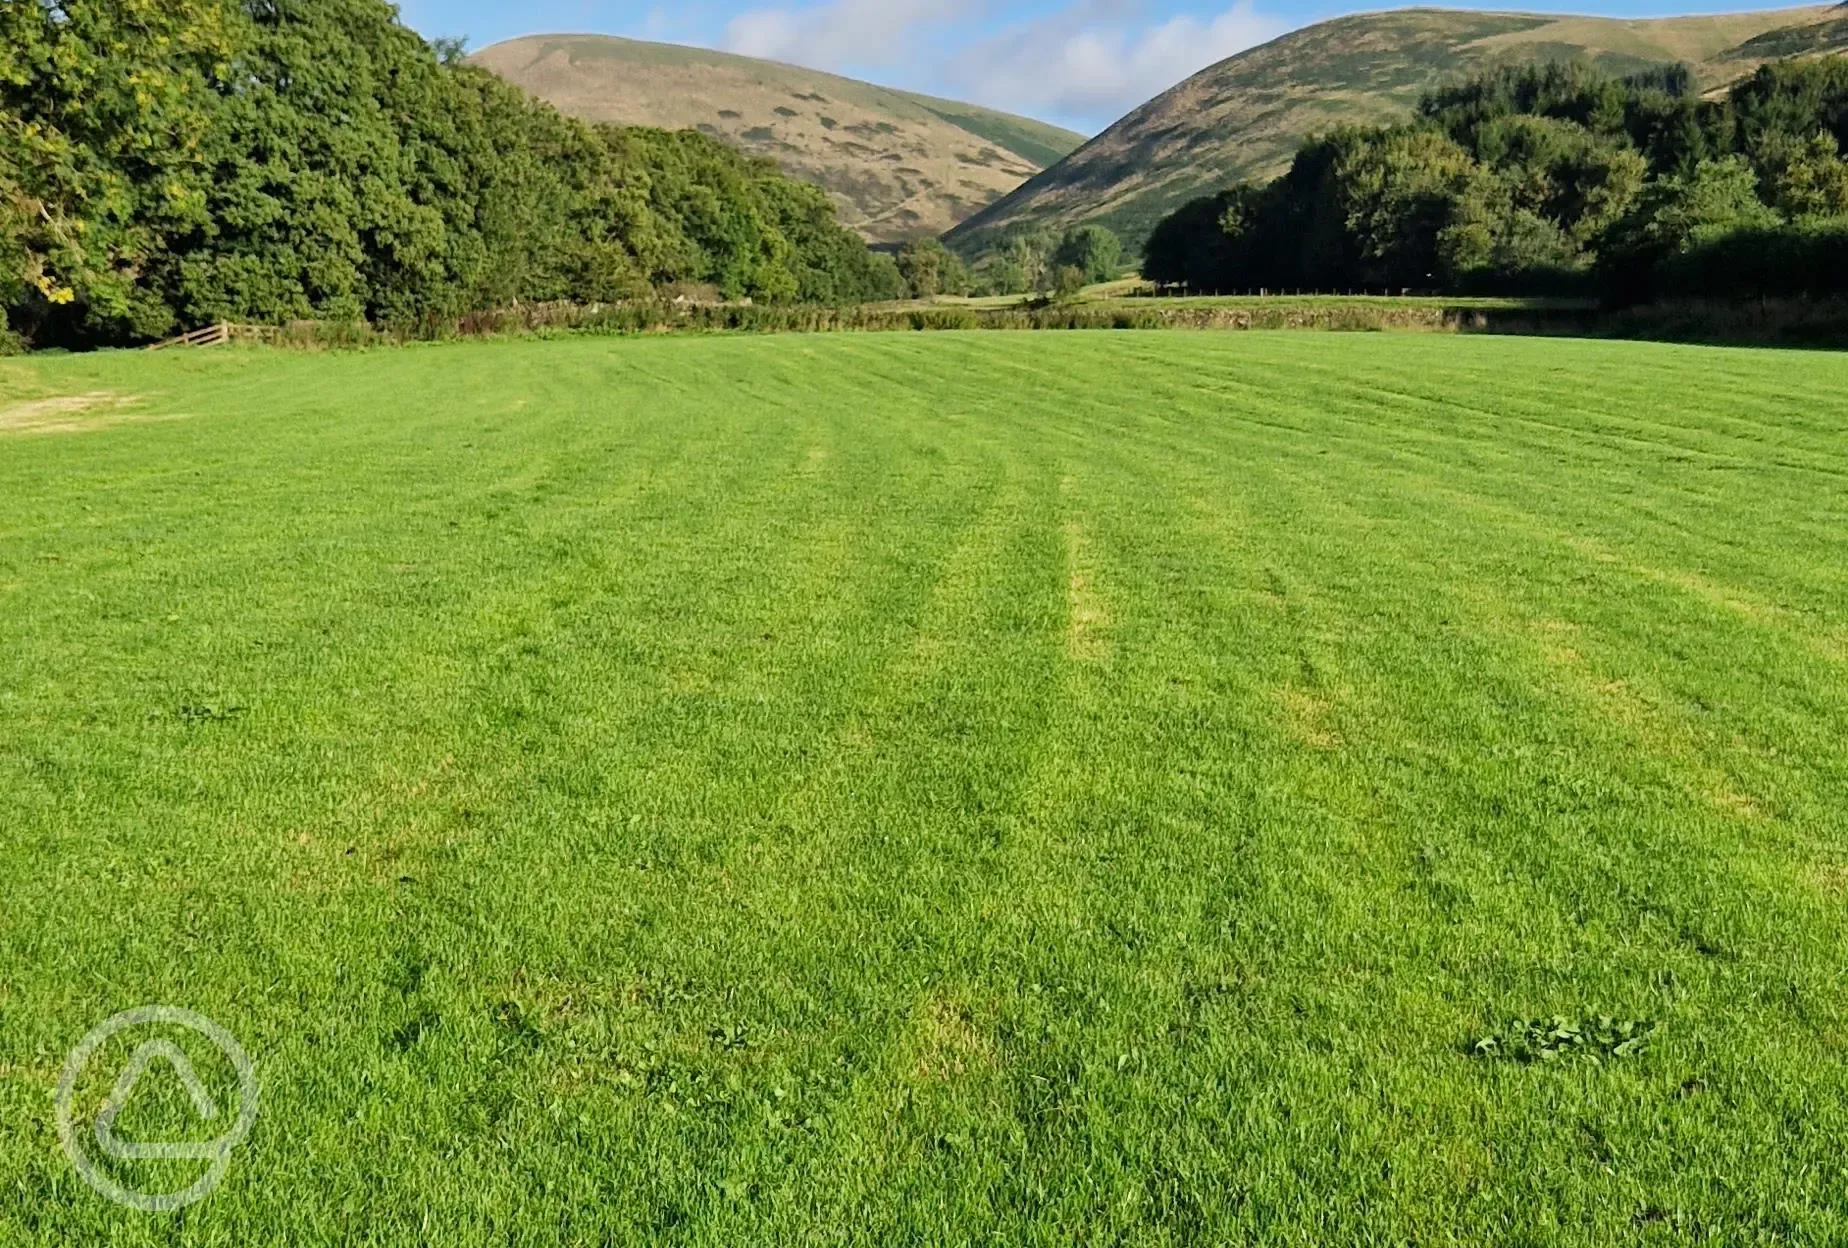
(219, 335)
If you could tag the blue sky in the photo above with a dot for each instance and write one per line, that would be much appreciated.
(1081, 63)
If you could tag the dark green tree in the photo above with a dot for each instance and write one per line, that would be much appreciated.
(1809, 179)
(1533, 178)
(1094, 251)
(166, 163)
(1022, 264)
(931, 269)
(104, 109)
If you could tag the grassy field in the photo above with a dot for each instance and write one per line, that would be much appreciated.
(939, 789)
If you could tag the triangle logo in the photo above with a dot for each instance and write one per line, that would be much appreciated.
(145, 1056)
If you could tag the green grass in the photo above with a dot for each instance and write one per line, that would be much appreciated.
(941, 789)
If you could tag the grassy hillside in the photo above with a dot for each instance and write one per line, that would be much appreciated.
(889, 789)
(898, 165)
(1244, 118)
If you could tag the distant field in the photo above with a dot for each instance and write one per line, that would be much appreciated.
(940, 788)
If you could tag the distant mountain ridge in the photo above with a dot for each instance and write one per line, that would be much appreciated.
(1244, 118)
(898, 165)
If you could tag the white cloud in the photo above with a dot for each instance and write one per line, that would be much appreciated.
(842, 33)
(1086, 62)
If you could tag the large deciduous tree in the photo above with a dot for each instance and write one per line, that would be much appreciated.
(168, 163)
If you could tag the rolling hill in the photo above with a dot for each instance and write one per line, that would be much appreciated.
(1244, 118)
(898, 165)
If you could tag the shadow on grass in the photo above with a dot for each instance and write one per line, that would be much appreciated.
(1814, 324)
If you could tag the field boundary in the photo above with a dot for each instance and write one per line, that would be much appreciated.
(1796, 322)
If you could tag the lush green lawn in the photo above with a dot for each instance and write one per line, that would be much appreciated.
(938, 789)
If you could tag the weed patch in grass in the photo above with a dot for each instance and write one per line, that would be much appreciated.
(1597, 1038)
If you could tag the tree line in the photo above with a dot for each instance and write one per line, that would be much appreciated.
(1550, 178)
(171, 163)
(1034, 261)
